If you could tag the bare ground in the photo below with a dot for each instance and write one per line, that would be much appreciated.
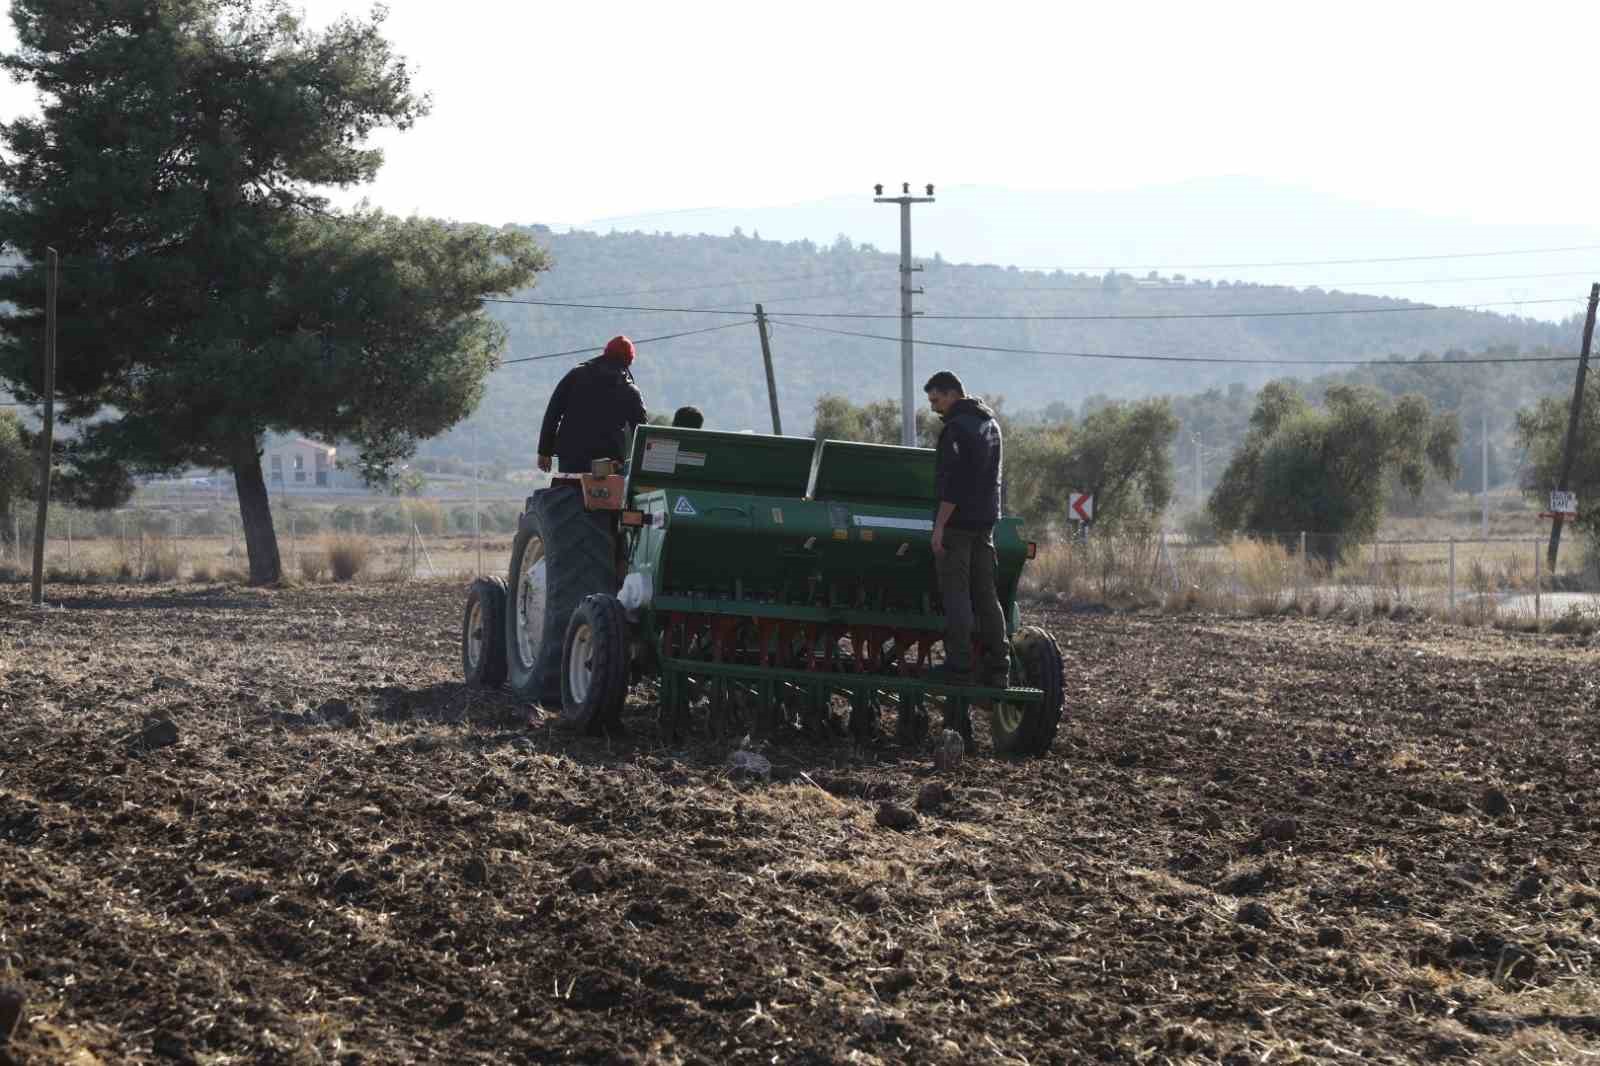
(1255, 840)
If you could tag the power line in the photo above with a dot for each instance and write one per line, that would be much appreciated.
(641, 340)
(738, 282)
(1230, 360)
(1409, 308)
(1319, 262)
(1211, 289)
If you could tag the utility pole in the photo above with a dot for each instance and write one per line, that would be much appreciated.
(908, 404)
(1570, 451)
(52, 280)
(766, 357)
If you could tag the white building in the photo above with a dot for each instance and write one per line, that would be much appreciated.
(294, 463)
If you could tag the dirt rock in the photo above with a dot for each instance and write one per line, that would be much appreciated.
(11, 1003)
(1210, 820)
(1495, 803)
(1529, 887)
(475, 872)
(1330, 937)
(932, 796)
(869, 900)
(584, 879)
(159, 734)
(453, 1014)
(750, 765)
(873, 1025)
(1253, 914)
(893, 816)
(246, 893)
(1406, 865)
(1282, 829)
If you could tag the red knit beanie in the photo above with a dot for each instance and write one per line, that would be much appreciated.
(620, 349)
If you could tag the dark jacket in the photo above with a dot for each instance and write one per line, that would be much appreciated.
(590, 414)
(967, 465)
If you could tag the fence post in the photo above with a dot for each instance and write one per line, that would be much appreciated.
(1374, 564)
(1452, 578)
(1537, 582)
(69, 538)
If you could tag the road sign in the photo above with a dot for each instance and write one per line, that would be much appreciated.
(1564, 503)
(1080, 506)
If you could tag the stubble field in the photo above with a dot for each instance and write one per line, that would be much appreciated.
(244, 826)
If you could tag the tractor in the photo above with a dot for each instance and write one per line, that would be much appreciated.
(766, 583)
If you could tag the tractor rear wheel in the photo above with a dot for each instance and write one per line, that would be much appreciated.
(483, 644)
(561, 554)
(1030, 728)
(594, 665)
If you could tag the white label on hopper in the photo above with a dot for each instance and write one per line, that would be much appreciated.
(890, 522)
(660, 456)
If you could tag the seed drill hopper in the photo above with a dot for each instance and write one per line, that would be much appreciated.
(767, 582)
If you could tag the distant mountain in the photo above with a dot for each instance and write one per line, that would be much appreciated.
(1117, 314)
(1200, 227)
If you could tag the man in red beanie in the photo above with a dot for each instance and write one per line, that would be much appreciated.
(591, 411)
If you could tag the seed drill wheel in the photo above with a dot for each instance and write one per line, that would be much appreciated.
(561, 554)
(594, 672)
(1029, 728)
(483, 643)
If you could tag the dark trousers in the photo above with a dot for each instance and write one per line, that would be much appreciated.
(966, 580)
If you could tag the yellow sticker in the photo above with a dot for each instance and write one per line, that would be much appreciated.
(866, 534)
(841, 534)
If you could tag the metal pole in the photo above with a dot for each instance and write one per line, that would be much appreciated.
(1452, 577)
(1537, 582)
(772, 381)
(1483, 497)
(908, 405)
(47, 439)
(1199, 481)
(1569, 450)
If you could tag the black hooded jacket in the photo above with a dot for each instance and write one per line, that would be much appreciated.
(590, 414)
(967, 464)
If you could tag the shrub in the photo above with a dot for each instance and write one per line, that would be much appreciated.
(427, 516)
(205, 523)
(389, 520)
(161, 560)
(347, 556)
(314, 566)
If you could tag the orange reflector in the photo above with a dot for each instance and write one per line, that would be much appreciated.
(1033, 549)
(633, 518)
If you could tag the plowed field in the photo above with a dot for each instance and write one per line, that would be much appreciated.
(253, 827)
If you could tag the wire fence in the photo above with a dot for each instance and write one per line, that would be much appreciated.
(1500, 581)
(399, 538)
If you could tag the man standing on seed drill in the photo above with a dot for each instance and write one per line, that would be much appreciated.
(592, 411)
(967, 481)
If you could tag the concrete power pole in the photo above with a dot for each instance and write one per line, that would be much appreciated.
(1483, 497)
(1198, 480)
(1569, 451)
(908, 387)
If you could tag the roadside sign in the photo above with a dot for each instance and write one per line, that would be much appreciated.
(1080, 506)
(1564, 503)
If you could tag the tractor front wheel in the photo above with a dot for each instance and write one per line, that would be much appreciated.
(594, 665)
(483, 648)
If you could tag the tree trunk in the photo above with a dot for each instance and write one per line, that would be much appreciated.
(255, 515)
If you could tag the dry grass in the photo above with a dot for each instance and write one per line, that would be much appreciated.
(314, 566)
(347, 556)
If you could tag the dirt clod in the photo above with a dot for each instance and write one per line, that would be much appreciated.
(158, 734)
(1282, 829)
(1254, 914)
(1495, 803)
(932, 796)
(894, 816)
(11, 1004)
(475, 872)
(584, 879)
(1329, 936)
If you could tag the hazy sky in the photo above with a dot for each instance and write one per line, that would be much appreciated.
(575, 112)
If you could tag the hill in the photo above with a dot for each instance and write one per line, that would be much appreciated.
(721, 371)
